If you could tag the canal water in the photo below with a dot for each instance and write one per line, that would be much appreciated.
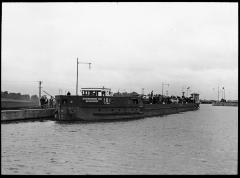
(195, 142)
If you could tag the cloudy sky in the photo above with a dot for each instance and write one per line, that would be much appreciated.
(131, 46)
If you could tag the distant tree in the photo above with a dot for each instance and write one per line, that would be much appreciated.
(12, 95)
(134, 93)
(25, 97)
(4, 94)
(34, 98)
(223, 100)
(16, 96)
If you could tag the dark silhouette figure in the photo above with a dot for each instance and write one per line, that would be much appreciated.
(46, 102)
(51, 102)
(42, 101)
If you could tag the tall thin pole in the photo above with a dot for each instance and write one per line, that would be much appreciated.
(224, 93)
(163, 86)
(89, 63)
(40, 82)
(218, 93)
(60, 91)
(77, 79)
(162, 89)
(142, 91)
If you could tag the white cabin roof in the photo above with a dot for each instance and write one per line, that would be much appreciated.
(96, 89)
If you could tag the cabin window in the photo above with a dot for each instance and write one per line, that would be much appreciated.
(64, 101)
(103, 93)
(106, 100)
(135, 101)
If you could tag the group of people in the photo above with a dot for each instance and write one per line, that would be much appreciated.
(49, 103)
(45, 102)
(160, 99)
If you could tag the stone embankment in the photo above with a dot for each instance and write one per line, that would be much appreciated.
(25, 114)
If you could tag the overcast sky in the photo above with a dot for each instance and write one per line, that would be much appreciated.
(131, 46)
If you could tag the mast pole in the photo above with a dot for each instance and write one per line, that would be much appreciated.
(162, 88)
(224, 93)
(77, 79)
(40, 82)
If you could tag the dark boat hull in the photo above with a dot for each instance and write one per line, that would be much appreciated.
(93, 114)
(164, 109)
(122, 113)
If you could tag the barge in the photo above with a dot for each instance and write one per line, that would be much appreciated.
(98, 104)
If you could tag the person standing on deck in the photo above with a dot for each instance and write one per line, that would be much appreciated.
(46, 101)
(42, 100)
(51, 102)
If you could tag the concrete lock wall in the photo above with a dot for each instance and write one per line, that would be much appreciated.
(26, 114)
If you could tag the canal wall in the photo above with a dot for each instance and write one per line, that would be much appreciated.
(225, 104)
(18, 104)
(25, 114)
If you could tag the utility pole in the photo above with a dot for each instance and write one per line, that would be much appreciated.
(40, 82)
(89, 63)
(183, 93)
(60, 91)
(224, 93)
(77, 78)
(187, 91)
(142, 91)
(163, 86)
